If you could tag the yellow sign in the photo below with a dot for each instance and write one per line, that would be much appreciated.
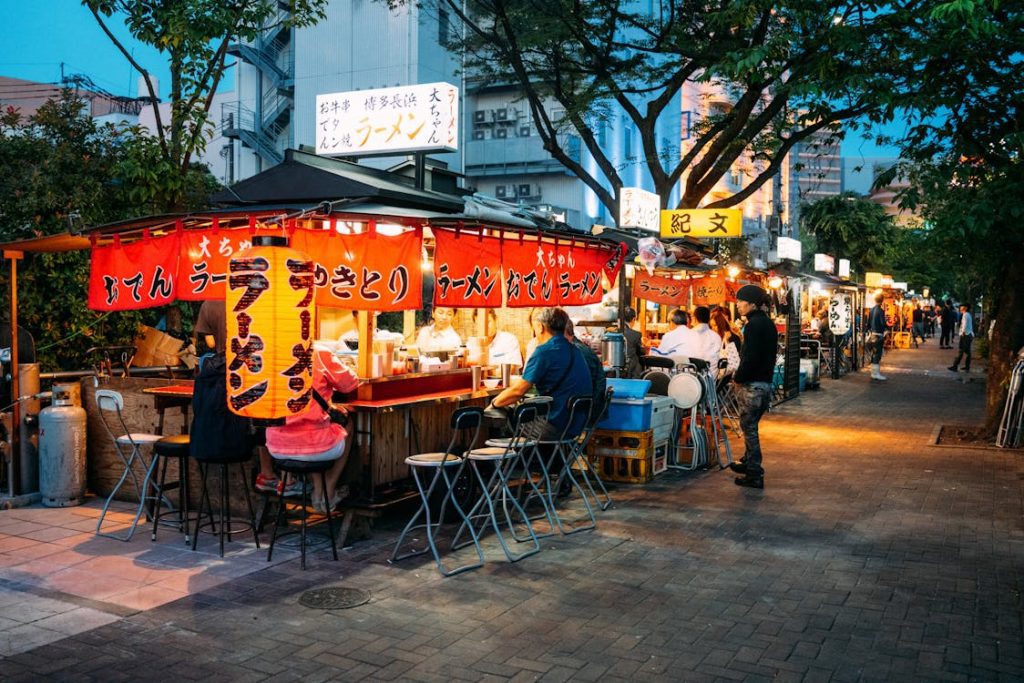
(702, 223)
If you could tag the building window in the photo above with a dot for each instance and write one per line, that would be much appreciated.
(442, 27)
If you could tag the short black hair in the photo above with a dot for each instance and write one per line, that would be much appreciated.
(702, 314)
(554, 319)
(629, 315)
(679, 317)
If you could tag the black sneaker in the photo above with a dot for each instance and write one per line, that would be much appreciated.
(750, 482)
(952, 368)
(738, 467)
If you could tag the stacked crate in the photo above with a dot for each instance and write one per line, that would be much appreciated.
(633, 445)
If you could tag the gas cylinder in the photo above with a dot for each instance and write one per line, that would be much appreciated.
(62, 431)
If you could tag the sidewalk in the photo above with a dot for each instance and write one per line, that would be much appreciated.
(870, 555)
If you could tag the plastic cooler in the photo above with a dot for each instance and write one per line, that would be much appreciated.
(629, 388)
(637, 414)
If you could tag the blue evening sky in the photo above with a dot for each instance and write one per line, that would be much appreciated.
(40, 34)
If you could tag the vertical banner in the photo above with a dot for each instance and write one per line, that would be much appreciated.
(529, 280)
(578, 282)
(662, 290)
(365, 272)
(132, 276)
(203, 266)
(269, 332)
(467, 270)
(840, 314)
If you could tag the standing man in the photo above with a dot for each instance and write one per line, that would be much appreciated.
(440, 336)
(876, 337)
(753, 379)
(502, 346)
(917, 330)
(966, 339)
(634, 344)
(947, 318)
(212, 326)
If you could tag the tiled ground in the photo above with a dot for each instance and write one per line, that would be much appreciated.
(871, 555)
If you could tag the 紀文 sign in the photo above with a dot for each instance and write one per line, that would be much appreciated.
(702, 223)
(413, 118)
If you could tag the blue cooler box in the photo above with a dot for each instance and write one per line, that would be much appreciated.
(629, 414)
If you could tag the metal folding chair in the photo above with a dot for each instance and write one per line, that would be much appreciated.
(129, 447)
(446, 466)
(588, 474)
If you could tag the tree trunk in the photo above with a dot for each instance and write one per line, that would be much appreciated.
(1006, 341)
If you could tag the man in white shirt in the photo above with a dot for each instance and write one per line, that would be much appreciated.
(680, 341)
(708, 343)
(440, 336)
(502, 347)
(966, 332)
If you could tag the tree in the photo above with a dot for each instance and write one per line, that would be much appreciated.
(789, 69)
(194, 35)
(963, 156)
(849, 226)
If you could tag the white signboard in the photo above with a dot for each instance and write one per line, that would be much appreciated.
(900, 285)
(823, 263)
(639, 209)
(789, 249)
(844, 268)
(840, 312)
(414, 118)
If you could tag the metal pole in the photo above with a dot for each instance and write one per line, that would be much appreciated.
(421, 170)
(14, 473)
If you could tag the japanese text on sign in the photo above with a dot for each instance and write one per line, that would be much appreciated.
(702, 223)
(662, 290)
(840, 312)
(133, 276)
(405, 119)
(638, 209)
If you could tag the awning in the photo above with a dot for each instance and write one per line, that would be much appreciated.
(48, 244)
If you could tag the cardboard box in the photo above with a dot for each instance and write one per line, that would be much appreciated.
(156, 348)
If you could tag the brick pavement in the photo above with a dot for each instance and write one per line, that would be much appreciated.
(871, 555)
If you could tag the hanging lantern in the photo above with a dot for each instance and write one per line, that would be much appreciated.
(269, 330)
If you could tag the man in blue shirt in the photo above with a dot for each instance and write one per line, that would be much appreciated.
(966, 331)
(556, 368)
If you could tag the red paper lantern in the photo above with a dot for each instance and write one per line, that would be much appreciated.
(269, 330)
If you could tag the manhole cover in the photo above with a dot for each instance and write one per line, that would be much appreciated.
(335, 597)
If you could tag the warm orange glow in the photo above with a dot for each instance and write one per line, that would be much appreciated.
(269, 332)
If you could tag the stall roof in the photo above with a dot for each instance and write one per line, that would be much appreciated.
(830, 279)
(630, 239)
(48, 244)
(304, 178)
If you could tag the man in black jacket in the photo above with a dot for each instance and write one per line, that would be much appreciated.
(753, 379)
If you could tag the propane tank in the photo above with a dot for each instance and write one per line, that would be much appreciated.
(62, 430)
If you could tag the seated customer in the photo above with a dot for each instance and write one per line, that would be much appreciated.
(680, 341)
(312, 436)
(557, 369)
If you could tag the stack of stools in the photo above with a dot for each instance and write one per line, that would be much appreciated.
(444, 469)
(496, 491)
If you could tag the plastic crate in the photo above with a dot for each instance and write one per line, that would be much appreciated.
(632, 469)
(620, 443)
(629, 388)
(628, 414)
(661, 433)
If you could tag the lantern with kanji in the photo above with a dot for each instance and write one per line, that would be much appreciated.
(269, 330)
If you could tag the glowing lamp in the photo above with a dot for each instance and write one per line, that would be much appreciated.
(733, 271)
(269, 330)
(775, 282)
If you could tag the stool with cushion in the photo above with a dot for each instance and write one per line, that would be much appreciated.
(496, 491)
(442, 469)
(167, 448)
(129, 447)
(301, 469)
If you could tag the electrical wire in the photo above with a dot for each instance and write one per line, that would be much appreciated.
(75, 334)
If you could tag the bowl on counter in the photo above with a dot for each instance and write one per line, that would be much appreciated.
(492, 383)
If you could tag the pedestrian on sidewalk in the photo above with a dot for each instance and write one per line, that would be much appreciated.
(876, 337)
(947, 319)
(753, 380)
(966, 339)
(917, 330)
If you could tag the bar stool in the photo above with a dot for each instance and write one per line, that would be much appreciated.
(301, 469)
(496, 488)
(165, 449)
(109, 401)
(222, 525)
(446, 466)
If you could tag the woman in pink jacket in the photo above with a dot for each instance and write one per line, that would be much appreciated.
(312, 436)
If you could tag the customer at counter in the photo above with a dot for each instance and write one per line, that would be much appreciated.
(709, 343)
(680, 341)
(556, 368)
(440, 336)
(502, 347)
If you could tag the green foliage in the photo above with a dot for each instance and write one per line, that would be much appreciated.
(788, 70)
(194, 36)
(62, 166)
(849, 226)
